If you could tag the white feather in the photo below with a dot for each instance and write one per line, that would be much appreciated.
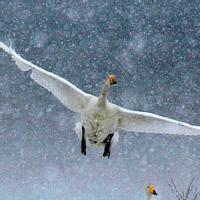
(78, 129)
(150, 123)
(100, 117)
(72, 97)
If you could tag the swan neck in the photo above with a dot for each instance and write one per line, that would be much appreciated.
(104, 93)
(149, 197)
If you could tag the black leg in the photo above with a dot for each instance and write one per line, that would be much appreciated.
(83, 142)
(107, 145)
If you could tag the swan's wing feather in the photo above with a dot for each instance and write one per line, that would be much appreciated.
(151, 123)
(72, 97)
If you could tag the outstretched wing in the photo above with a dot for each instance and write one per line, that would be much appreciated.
(151, 123)
(72, 97)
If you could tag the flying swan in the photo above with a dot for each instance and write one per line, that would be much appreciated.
(100, 119)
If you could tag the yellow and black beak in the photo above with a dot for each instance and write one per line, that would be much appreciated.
(112, 80)
(152, 190)
(154, 193)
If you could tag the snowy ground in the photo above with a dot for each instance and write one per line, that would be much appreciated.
(153, 48)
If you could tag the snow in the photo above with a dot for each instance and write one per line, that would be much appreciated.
(152, 47)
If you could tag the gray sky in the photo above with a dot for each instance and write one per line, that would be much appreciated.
(153, 48)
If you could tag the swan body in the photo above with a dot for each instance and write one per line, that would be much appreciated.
(99, 121)
(99, 117)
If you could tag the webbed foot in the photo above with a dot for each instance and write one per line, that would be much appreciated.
(83, 142)
(107, 145)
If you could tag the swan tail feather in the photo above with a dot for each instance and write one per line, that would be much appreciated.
(78, 129)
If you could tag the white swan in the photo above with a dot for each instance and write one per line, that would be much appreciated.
(150, 191)
(100, 119)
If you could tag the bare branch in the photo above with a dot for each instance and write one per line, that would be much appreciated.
(175, 190)
(189, 190)
(190, 194)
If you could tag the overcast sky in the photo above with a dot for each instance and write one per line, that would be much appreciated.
(152, 48)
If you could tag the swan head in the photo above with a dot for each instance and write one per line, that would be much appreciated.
(111, 79)
(151, 190)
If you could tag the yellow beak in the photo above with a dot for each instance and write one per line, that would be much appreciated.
(152, 190)
(112, 79)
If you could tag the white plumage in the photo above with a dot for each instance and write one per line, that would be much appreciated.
(100, 117)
